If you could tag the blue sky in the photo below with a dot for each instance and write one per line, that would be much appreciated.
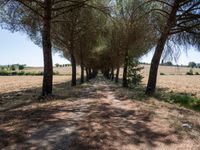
(18, 48)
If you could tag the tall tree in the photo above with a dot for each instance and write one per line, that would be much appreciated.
(180, 17)
(48, 11)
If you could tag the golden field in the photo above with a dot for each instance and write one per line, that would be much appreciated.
(175, 79)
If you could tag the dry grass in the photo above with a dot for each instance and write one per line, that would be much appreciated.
(176, 80)
(17, 83)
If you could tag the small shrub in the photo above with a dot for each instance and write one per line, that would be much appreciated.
(162, 73)
(14, 73)
(133, 73)
(39, 73)
(190, 72)
(2, 68)
(21, 67)
(12, 68)
(196, 73)
(21, 73)
(27, 73)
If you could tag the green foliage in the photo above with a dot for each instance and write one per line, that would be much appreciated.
(133, 76)
(181, 99)
(169, 63)
(162, 73)
(2, 68)
(57, 65)
(186, 101)
(13, 68)
(189, 72)
(196, 73)
(4, 73)
(192, 64)
(21, 67)
(21, 73)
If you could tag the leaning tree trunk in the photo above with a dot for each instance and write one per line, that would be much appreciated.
(151, 86)
(117, 76)
(73, 61)
(125, 82)
(47, 55)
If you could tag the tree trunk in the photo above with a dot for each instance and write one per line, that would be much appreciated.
(106, 73)
(73, 61)
(151, 86)
(117, 76)
(125, 82)
(90, 73)
(47, 55)
(82, 74)
(112, 74)
(87, 74)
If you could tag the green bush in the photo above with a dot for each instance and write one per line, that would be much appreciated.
(133, 73)
(8, 73)
(4, 73)
(2, 68)
(12, 68)
(39, 73)
(14, 73)
(162, 73)
(196, 73)
(27, 73)
(21, 67)
(186, 101)
(21, 73)
(190, 72)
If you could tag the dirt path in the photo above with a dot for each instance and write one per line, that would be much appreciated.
(101, 117)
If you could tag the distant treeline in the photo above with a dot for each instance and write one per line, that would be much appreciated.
(22, 73)
(63, 65)
(12, 67)
(169, 63)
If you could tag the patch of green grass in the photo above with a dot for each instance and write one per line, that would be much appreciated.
(181, 99)
(162, 73)
(185, 100)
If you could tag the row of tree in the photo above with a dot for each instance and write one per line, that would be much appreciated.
(104, 34)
